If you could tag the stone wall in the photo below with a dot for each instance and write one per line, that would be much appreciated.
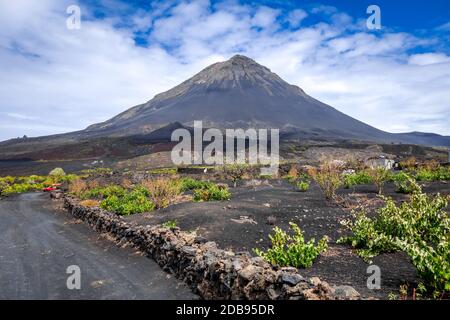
(211, 272)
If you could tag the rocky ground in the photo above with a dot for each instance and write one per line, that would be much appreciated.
(244, 223)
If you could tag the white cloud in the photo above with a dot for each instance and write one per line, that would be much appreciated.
(59, 80)
(296, 16)
(424, 59)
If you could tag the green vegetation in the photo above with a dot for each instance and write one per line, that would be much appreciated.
(170, 224)
(438, 174)
(11, 185)
(293, 251)
(103, 192)
(212, 193)
(379, 176)
(420, 227)
(193, 184)
(303, 186)
(404, 183)
(357, 178)
(168, 171)
(131, 202)
(57, 172)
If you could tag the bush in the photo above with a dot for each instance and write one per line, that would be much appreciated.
(437, 174)
(293, 251)
(212, 193)
(409, 163)
(328, 177)
(404, 183)
(234, 172)
(77, 187)
(292, 175)
(162, 191)
(303, 186)
(420, 227)
(187, 184)
(132, 202)
(103, 192)
(379, 176)
(357, 178)
(57, 172)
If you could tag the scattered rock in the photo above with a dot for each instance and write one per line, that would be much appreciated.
(346, 292)
(244, 219)
(291, 278)
(271, 220)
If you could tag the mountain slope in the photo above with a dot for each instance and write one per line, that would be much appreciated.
(237, 93)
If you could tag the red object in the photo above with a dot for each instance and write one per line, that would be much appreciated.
(48, 189)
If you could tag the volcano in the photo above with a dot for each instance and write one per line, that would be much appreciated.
(237, 93)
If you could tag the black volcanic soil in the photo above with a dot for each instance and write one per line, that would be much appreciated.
(242, 224)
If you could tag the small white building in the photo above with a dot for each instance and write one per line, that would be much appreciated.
(380, 162)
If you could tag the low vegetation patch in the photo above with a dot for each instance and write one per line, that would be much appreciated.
(379, 176)
(420, 227)
(189, 184)
(436, 174)
(165, 171)
(303, 186)
(357, 178)
(130, 202)
(212, 193)
(170, 224)
(12, 185)
(292, 250)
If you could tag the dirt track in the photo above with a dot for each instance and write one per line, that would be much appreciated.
(37, 244)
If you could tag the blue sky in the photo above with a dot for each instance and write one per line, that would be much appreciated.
(56, 80)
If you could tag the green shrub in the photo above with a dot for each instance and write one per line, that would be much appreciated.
(379, 176)
(357, 178)
(170, 224)
(404, 183)
(303, 186)
(193, 184)
(103, 192)
(212, 193)
(438, 174)
(293, 251)
(135, 201)
(57, 172)
(420, 227)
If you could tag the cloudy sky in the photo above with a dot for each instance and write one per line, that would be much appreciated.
(55, 79)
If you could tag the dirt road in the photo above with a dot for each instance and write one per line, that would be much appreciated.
(38, 244)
